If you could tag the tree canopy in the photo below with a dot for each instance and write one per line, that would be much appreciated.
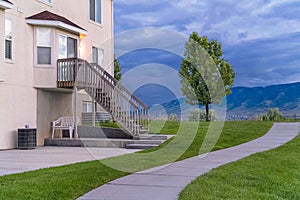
(117, 69)
(205, 76)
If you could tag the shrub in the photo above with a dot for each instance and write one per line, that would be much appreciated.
(173, 117)
(273, 114)
(200, 115)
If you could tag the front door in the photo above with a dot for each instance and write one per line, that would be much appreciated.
(67, 47)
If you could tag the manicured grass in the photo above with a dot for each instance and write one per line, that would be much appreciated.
(274, 174)
(164, 127)
(109, 124)
(66, 182)
(156, 126)
(72, 181)
(233, 133)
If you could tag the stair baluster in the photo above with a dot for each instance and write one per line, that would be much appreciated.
(124, 107)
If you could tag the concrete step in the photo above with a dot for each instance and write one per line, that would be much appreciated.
(153, 137)
(144, 131)
(100, 142)
(62, 142)
(156, 142)
(102, 132)
(141, 146)
(104, 143)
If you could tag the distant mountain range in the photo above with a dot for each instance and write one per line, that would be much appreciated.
(246, 103)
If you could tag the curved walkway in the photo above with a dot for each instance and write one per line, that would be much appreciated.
(166, 182)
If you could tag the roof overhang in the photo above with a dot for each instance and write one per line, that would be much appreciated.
(5, 5)
(57, 24)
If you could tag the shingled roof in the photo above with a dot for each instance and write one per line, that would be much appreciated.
(5, 4)
(47, 16)
(8, 1)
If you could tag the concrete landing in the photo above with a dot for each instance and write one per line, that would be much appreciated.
(144, 142)
(18, 161)
(166, 182)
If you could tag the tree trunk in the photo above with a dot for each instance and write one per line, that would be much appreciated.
(207, 112)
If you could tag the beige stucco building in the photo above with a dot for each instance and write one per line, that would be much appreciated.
(34, 35)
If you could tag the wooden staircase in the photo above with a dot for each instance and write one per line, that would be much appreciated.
(124, 107)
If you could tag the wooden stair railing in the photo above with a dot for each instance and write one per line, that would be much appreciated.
(124, 107)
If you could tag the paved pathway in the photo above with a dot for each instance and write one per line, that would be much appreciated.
(166, 182)
(17, 161)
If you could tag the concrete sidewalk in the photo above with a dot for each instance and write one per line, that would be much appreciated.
(166, 182)
(17, 161)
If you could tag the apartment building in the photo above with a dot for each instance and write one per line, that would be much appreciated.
(35, 36)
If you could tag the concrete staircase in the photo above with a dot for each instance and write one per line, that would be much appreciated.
(108, 138)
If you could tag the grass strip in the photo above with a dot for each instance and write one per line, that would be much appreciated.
(274, 174)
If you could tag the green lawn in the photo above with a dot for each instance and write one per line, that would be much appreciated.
(274, 174)
(72, 181)
(108, 124)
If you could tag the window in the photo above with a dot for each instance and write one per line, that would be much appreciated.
(44, 37)
(98, 56)
(87, 107)
(67, 47)
(8, 39)
(47, 1)
(95, 11)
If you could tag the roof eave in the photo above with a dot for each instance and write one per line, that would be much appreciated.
(57, 24)
(5, 5)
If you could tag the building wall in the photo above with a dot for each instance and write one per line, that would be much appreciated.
(18, 97)
(28, 93)
(50, 106)
(2, 24)
(18, 108)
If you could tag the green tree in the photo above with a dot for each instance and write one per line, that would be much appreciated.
(200, 115)
(273, 114)
(205, 76)
(117, 69)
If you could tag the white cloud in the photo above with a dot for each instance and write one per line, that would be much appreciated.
(267, 8)
(255, 28)
(154, 38)
(137, 2)
(231, 20)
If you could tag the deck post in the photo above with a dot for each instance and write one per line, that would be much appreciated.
(93, 112)
(75, 113)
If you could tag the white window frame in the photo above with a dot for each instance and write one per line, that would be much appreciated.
(87, 107)
(47, 2)
(9, 39)
(95, 11)
(66, 50)
(50, 46)
(99, 62)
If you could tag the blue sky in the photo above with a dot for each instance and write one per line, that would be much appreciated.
(261, 38)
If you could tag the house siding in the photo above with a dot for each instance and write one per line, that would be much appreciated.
(28, 93)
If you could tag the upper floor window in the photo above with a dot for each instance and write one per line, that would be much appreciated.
(8, 38)
(44, 46)
(47, 1)
(98, 56)
(95, 11)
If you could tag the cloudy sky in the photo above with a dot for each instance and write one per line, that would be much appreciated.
(260, 38)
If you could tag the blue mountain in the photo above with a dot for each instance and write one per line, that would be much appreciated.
(246, 102)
